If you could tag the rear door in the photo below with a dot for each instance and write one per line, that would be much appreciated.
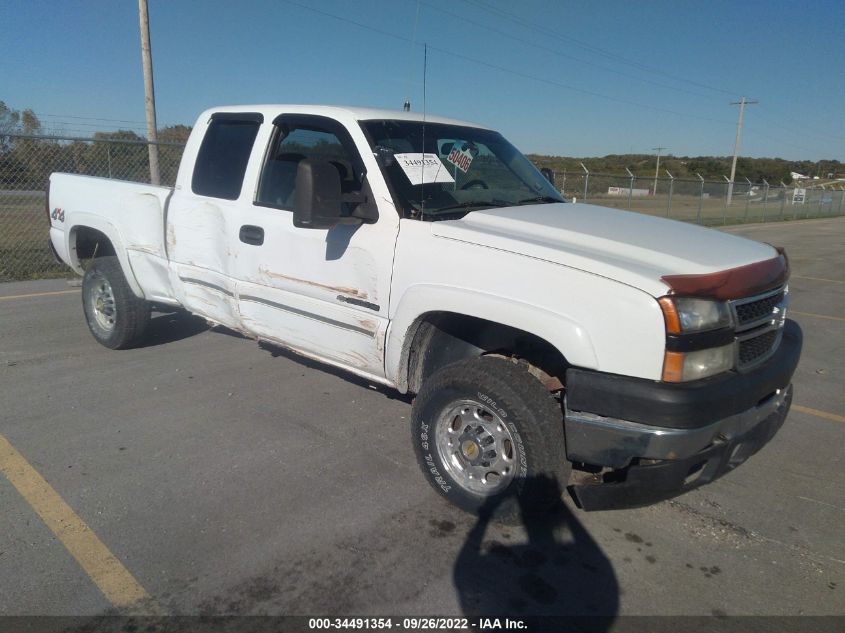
(203, 222)
(323, 292)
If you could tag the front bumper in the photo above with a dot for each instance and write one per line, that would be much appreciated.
(676, 437)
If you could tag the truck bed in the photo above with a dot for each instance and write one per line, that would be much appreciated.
(130, 214)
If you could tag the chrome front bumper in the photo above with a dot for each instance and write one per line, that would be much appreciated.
(602, 441)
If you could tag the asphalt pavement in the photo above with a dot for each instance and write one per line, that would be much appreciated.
(224, 477)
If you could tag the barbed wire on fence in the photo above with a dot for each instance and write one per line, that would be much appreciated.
(26, 163)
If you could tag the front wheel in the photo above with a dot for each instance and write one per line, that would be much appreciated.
(489, 438)
(115, 316)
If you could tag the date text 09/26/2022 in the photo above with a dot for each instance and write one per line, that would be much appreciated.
(416, 624)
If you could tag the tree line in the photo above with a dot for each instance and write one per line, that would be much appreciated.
(773, 170)
(26, 162)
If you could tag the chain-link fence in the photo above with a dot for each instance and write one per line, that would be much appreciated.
(26, 163)
(708, 202)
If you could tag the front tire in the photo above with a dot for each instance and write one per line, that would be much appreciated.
(116, 317)
(489, 438)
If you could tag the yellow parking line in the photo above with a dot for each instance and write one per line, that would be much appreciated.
(39, 294)
(819, 414)
(107, 572)
(818, 316)
(831, 281)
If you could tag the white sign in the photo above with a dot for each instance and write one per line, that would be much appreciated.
(423, 169)
(624, 191)
(798, 195)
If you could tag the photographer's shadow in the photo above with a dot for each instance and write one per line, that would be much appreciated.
(560, 571)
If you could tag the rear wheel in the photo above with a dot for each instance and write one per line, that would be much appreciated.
(489, 438)
(115, 316)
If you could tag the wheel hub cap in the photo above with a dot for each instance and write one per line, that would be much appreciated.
(101, 299)
(471, 451)
(476, 447)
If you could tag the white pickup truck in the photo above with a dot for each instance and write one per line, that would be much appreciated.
(628, 357)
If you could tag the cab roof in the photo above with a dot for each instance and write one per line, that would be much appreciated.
(271, 111)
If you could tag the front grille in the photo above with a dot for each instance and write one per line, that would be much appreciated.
(757, 310)
(757, 347)
(758, 321)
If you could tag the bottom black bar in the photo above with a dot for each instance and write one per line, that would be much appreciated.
(409, 624)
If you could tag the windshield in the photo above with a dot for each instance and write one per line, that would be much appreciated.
(440, 171)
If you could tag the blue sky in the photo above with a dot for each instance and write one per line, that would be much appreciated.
(556, 77)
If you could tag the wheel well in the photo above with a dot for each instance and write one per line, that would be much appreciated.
(89, 243)
(441, 338)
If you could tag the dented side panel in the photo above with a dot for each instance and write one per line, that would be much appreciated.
(130, 214)
(322, 292)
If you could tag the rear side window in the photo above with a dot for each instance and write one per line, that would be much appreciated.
(224, 153)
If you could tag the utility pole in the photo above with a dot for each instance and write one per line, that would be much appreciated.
(149, 92)
(741, 103)
(657, 169)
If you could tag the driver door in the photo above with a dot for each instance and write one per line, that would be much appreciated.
(322, 292)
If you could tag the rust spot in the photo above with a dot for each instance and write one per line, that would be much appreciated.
(368, 324)
(338, 289)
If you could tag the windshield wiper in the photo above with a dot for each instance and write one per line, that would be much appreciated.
(470, 203)
(536, 199)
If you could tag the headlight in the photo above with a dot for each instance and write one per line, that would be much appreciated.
(684, 366)
(684, 315)
(691, 319)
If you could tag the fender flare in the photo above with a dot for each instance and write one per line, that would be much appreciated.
(92, 221)
(570, 338)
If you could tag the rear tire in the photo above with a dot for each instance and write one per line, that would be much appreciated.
(116, 317)
(489, 438)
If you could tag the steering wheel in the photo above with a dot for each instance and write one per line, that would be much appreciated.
(475, 184)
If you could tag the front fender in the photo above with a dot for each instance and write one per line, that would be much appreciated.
(568, 336)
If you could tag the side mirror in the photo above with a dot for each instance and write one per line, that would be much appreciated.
(317, 200)
(549, 174)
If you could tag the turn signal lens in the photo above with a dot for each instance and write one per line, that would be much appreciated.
(673, 367)
(670, 315)
(684, 315)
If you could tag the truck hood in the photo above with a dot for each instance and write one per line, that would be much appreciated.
(632, 248)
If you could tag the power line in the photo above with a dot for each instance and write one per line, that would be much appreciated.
(517, 73)
(806, 131)
(93, 125)
(84, 118)
(561, 54)
(600, 51)
(757, 132)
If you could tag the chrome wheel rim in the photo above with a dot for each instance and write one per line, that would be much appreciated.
(101, 300)
(476, 447)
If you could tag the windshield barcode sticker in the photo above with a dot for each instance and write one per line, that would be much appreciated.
(423, 169)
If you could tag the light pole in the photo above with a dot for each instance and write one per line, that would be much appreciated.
(149, 92)
(741, 103)
(656, 169)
